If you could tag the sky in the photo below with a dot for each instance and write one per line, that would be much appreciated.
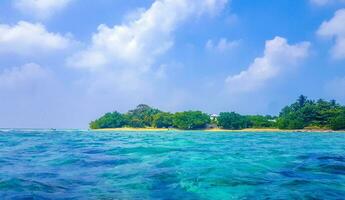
(64, 63)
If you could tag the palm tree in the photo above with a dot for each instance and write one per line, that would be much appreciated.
(302, 100)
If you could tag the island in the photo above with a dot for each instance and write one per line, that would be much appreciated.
(303, 115)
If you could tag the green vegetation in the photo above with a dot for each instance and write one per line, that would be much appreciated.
(113, 120)
(338, 122)
(302, 114)
(259, 121)
(190, 120)
(233, 121)
(141, 116)
(306, 113)
(163, 120)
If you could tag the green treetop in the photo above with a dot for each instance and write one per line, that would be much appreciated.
(109, 120)
(190, 120)
(232, 120)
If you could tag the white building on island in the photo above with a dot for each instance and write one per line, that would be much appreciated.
(214, 117)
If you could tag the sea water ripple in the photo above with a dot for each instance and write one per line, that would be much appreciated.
(45, 164)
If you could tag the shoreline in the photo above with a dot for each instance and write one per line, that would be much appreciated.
(268, 130)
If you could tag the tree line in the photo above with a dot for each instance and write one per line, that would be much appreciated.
(303, 113)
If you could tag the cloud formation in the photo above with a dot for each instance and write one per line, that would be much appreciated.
(122, 60)
(335, 28)
(26, 38)
(138, 42)
(28, 75)
(41, 8)
(278, 57)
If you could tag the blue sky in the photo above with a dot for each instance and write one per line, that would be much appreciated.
(66, 62)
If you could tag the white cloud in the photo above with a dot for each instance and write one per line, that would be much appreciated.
(335, 28)
(123, 60)
(41, 8)
(325, 2)
(138, 42)
(222, 45)
(28, 75)
(278, 56)
(26, 39)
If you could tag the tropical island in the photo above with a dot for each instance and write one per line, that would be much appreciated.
(303, 114)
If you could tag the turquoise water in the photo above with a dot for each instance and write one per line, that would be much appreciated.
(171, 165)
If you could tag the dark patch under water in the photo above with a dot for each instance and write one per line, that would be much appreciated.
(171, 165)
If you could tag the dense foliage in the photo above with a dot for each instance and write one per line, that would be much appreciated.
(338, 122)
(109, 120)
(191, 120)
(163, 120)
(259, 121)
(306, 113)
(303, 113)
(141, 116)
(231, 120)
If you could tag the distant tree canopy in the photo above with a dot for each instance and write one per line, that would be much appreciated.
(303, 113)
(232, 120)
(109, 120)
(338, 122)
(259, 121)
(163, 120)
(191, 120)
(308, 113)
(141, 116)
(145, 116)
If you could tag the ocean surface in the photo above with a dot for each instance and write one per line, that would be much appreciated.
(70, 164)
